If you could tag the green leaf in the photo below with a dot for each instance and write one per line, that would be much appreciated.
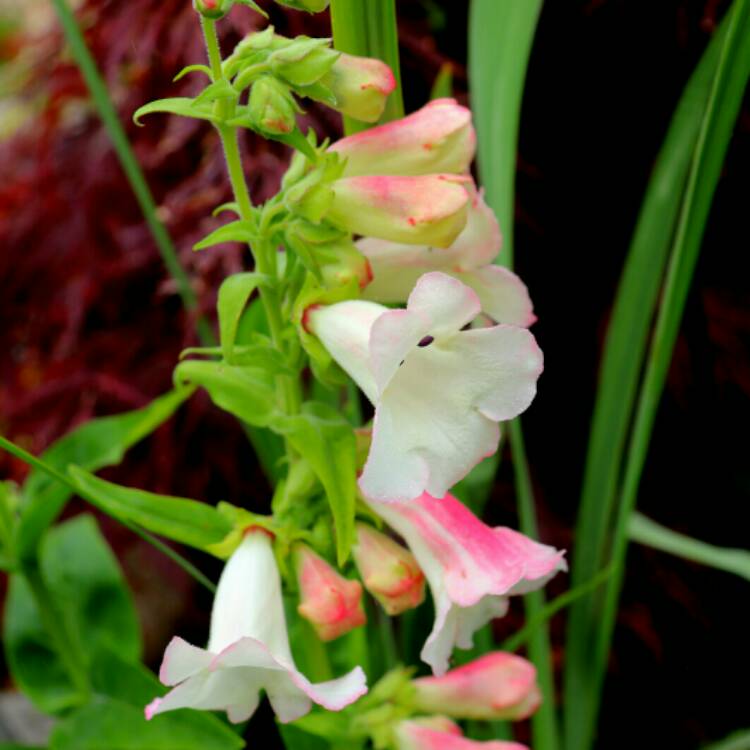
(368, 29)
(110, 724)
(221, 89)
(442, 86)
(194, 69)
(179, 105)
(236, 231)
(702, 136)
(15, 746)
(645, 531)
(183, 520)
(501, 33)
(739, 740)
(94, 445)
(246, 392)
(326, 441)
(234, 294)
(89, 590)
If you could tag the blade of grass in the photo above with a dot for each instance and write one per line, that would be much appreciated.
(369, 29)
(736, 741)
(621, 367)
(51, 471)
(103, 103)
(651, 534)
(716, 126)
(501, 33)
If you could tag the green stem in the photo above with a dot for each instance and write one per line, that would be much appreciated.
(105, 107)
(62, 634)
(544, 721)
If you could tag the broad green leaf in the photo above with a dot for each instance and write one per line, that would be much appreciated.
(94, 445)
(645, 531)
(89, 590)
(110, 724)
(183, 520)
(234, 294)
(180, 105)
(716, 92)
(15, 746)
(296, 739)
(246, 392)
(326, 441)
(236, 231)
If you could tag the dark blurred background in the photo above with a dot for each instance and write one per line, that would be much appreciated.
(92, 325)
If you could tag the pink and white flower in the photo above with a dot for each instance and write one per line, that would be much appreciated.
(439, 391)
(470, 567)
(331, 603)
(248, 650)
(437, 138)
(397, 266)
(423, 209)
(438, 733)
(498, 685)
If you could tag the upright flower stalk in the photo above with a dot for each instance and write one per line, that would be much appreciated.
(390, 216)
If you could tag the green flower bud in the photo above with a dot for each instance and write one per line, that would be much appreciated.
(272, 108)
(213, 9)
(304, 60)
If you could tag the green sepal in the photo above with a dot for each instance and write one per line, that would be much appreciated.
(180, 519)
(318, 91)
(246, 392)
(241, 231)
(194, 69)
(220, 89)
(304, 62)
(240, 521)
(254, 6)
(179, 105)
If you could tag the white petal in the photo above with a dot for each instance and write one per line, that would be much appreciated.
(182, 660)
(503, 295)
(344, 329)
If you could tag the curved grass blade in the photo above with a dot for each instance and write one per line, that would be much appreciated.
(105, 107)
(651, 534)
(702, 136)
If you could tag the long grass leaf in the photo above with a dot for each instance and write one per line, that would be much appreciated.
(651, 534)
(622, 363)
(103, 103)
(716, 125)
(501, 33)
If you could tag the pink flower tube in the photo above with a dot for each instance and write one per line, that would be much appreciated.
(495, 686)
(331, 603)
(439, 137)
(432, 735)
(248, 650)
(471, 568)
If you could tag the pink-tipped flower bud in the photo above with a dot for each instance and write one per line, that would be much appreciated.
(213, 9)
(439, 733)
(439, 137)
(389, 571)
(331, 603)
(495, 686)
(360, 85)
(422, 210)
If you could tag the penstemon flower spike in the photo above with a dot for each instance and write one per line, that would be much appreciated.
(440, 380)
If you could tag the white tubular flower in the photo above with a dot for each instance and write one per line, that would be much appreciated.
(248, 650)
(439, 391)
(396, 267)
